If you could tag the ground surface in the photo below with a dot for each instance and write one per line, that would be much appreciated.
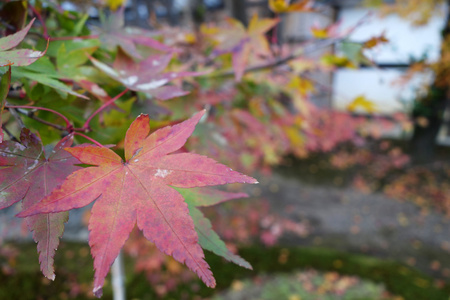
(346, 219)
(339, 218)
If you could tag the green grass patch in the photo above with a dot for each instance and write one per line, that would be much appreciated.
(21, 279)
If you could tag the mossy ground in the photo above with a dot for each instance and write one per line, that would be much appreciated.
(74, 273)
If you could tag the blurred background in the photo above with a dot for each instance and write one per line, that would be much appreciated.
(357, 207)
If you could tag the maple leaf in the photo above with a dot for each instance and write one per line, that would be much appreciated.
(98, 93)
(114, 4)
(208, 238)
(21, 57)
(5, 83)
(137, 191)
(330, 31)
(28, 174)
(240, 42)
(284, 6)
(361, 102)
(145, 76)
(114, 34)
(375, 41)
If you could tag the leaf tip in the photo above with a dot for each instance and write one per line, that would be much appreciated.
(98, 291)
(144, 117)
(211, 283)
(22, 214)
(51, 277)
(252, 181)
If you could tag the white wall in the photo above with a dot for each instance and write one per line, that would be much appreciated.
(406, 41)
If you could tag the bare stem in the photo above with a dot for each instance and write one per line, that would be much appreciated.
(274, 37)
(118, 278)
(308, 47)
(32, 116)
(16, 116)
(11, 136)
(88, 138)
(39, 16)
(68, 125)
(69, 38)
(101, 108)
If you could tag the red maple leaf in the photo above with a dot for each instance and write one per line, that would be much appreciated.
(17, 57)
(113, 33)
(137, 191)
(241, 42)
(28, 174)
(146, 75)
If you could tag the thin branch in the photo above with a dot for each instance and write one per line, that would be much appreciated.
(11, 136)
(88, 138)
(283, 60)
(70, 38)
(68, 125)
(16, 116)
(31, 115)
(307, 48)
(8, 26)
(101, 108)
(39, 16)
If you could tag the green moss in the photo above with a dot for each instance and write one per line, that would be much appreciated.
(74, 270)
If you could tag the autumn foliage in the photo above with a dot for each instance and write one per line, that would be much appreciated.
(142, 94)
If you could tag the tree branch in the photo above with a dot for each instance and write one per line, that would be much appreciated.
(11, 136)
(307, 49)
(32, 116)
(16, 116)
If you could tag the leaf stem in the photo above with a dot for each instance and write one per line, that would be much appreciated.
(68, 125)
(101, 108)
(88, 138)
(69, 38)
(32, 116)
(274, 37)
(39, 16)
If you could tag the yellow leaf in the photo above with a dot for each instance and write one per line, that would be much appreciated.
(115, 4)
(319, 33)
(361, 102)
(375, 41)
(283, 6)
(260, 26)
(209, 30)
(338, 61)
(301, 65)
(278, 6)
(326, 32)
(190, 38)
(303, 86)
